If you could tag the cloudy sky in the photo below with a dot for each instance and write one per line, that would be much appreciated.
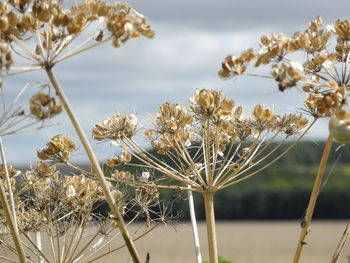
(193, 37)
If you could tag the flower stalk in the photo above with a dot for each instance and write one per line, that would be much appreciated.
(211, 230)
(341, 244)
(8, 183)
(194, 226)
(200, 149)
(96, 166)
(9, 211)
(313, 198)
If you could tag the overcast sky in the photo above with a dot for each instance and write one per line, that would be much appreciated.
(193, 37)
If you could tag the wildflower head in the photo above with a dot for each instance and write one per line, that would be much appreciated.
(171, 118)
(58, 24)
(322, 73)
(124, 157)
(208, 104)
(43, 106)
(236, 66)
(12, 173)
(204, 145)
(117, 127)
(58, 149)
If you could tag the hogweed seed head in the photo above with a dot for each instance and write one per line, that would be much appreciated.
(322, 73)
(115, 128)
(55, 25)
(58, 149)
(43, 106)
(203, 145)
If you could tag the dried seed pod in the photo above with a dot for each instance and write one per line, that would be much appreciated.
(115, 128)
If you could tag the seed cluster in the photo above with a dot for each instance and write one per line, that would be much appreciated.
(43, 106)
(67, 206)
(55, 25)
(58, 149)
(115, 128)
(202, 141)
(322, 74)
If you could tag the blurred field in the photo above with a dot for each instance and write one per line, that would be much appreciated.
(242, 242)
(245, 242)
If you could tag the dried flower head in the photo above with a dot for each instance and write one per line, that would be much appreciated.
(115, 128)
(322, 73)
(208, 104)
(236, 66)
(58, 149)
(202, 146)
(56, 25)
(43, 106)
(11, 171)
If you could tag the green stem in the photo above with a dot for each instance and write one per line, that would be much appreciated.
(210, 221)
(96, 167)
(313, 198)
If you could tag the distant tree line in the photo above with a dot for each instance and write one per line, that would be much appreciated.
(280, 192)
(283, 190)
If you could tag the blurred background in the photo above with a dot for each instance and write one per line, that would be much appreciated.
(193, 37)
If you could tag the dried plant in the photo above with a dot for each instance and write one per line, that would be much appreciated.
(46, 32)
(322, 73)
(208, 146)
(41, 108)
(15, 119)
(65, 209)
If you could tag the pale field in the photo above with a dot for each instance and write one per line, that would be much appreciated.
(246, 242)
(242, 242)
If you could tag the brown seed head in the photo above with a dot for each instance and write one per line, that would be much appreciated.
(116, 127)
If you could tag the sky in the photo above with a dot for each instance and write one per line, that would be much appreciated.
(193, 37)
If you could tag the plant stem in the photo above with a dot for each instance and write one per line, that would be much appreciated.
(313, 198)
(8, 212)
(341, 244)
(39, 244)
(194, 226)
(8, 183)
(96, 167)
(211, 231)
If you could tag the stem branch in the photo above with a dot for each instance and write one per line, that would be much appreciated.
(8, 213)
(211, 231)
(96, 167)
(313, 198)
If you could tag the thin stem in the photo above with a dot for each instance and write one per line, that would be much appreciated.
(39, 244)
(210, 221)
(194, 226)
(27, 50)
(341, 244)
(71, 54)
(271, 162)
(313, 198)
(23, 71)
(34, 245)
(74, 240)
(74, 257)
(96, 167)
(115, 249)
(11, 222)
(8, 183)
(52, 247)
(7, 259)
(173, 187)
